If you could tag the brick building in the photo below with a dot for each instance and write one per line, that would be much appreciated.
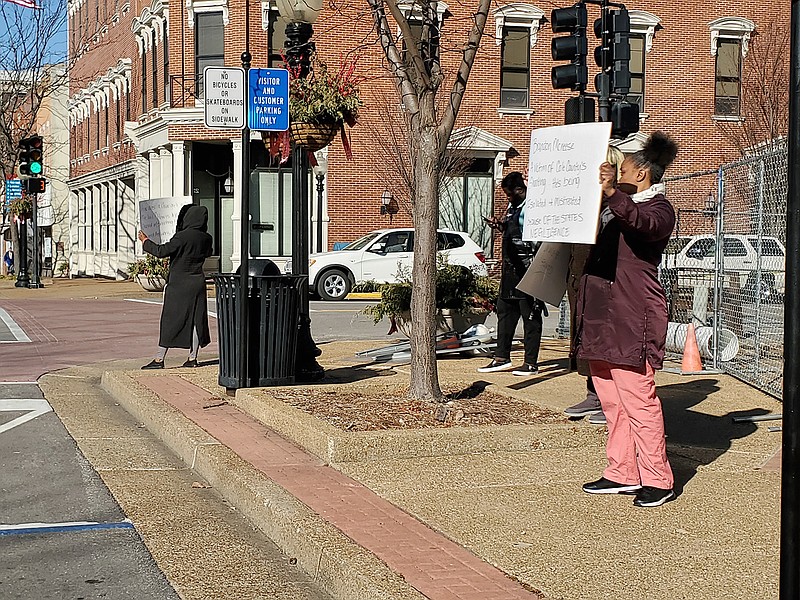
(137, 132)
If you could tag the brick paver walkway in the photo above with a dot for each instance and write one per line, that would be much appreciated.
(433, 564)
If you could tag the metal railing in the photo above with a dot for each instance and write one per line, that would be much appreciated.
(182, 90)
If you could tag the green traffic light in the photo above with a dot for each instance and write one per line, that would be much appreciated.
(35, 168)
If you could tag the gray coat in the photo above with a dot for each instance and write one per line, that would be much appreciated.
(185, 304)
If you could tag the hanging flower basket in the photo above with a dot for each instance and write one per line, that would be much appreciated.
(313, 136)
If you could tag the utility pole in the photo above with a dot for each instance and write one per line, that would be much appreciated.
(790, 467)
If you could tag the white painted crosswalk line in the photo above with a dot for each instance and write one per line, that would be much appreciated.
(33, 407)
(15, 329)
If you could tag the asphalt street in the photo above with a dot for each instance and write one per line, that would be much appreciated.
(62, 535)
(62, 532)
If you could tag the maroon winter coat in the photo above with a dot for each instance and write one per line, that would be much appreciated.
(621, 307)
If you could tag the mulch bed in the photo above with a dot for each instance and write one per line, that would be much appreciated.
(374, 411)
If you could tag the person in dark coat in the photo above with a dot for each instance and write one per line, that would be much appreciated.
(184, 316)
(579, 254)
(622, 323)
(512, 304)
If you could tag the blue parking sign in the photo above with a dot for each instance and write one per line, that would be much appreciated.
(13, 189)
(268, 106)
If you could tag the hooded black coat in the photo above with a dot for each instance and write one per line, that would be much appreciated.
(185, 304)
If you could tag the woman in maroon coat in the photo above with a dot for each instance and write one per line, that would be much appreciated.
(622, 322)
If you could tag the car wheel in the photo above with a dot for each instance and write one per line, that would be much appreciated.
(333, 285)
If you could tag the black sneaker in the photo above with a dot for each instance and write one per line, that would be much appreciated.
(606, 486)
(650, 496)
(525, 370)
(497, 364)
(154, 364)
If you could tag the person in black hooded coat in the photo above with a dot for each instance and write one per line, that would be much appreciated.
(184, 316)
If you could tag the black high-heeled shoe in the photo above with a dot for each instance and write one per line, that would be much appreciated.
(191, 363)
(154, 364)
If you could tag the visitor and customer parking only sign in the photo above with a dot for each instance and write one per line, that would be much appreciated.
(264, 108)
(268, 100)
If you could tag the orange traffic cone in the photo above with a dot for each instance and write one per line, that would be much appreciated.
(691, 362)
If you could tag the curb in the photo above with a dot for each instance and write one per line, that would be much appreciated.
(363, 296)
(338, 565)
(333, 445)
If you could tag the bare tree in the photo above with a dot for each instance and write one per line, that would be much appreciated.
(416, 67)
(764, 103)
(35, 66)
(386, 128)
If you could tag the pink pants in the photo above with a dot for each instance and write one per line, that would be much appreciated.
(636, 447)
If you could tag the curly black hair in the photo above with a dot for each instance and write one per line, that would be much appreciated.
(658, 153)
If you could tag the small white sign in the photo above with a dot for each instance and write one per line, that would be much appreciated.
(158, 217)
(564, 193)
(224, 97)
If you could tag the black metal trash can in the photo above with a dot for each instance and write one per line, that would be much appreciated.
(273, 318)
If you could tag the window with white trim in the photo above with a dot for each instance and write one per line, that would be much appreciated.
(730, 37)
(516, 29)
(643, 30)
(728, 77)
(515, 68)
(209, 37)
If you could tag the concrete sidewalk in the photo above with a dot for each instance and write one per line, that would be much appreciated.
(468, 512)
(482, 512)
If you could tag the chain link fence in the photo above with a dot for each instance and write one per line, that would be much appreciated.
(731, 291)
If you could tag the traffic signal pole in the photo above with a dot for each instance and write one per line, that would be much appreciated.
(35, 282)
(790, 462)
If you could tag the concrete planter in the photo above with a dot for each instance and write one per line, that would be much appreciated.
(151, 283)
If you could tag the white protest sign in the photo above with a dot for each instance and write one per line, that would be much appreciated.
(564, 194)
(159, 216)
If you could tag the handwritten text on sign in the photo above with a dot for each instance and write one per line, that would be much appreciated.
(158, 217)
(563, 200)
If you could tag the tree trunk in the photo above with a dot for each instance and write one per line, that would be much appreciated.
(424, 371)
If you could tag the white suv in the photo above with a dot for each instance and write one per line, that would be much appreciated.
(695, 256)
(380, 256)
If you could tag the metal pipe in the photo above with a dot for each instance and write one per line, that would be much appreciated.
(244, 260)
(790, 462)
(35, 282)
(718, 262)
(320, 189)
(759, 258)
(22, 260)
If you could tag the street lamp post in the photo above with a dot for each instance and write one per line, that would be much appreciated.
(300, 14)
(319, 171)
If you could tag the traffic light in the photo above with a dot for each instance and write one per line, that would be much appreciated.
(624, 119)
(35, 186)
(29, 161)
(613, 55)
(579, 109)
(572, 48)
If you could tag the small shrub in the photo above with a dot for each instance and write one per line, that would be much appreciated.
(366, 287)
(458, 288)
(150, 266)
